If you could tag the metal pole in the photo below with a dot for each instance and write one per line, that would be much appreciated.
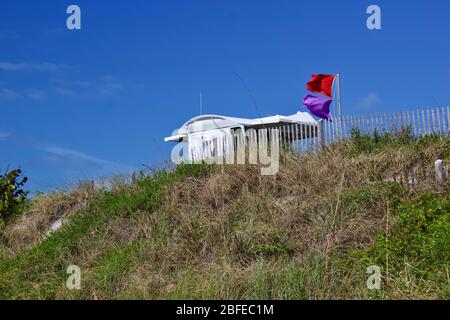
(338, 78)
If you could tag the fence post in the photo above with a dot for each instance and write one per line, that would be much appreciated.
(389, 122)
(402, 119)
(444, 120)
(321, 135)
(419, 126)
(309, 136)
(377, 115)
(448, 119)
(408, 117)
(433, 121)
(424, 123)
(439, 171)
(357, 123)
(438, 116)
(363, 124)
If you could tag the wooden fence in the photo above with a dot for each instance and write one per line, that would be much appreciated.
(438, 174)
(420, 122)
(434, 121)
(311, 137)
(306, 137)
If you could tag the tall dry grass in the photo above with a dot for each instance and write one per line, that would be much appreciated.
(34, 224)
(230, 233)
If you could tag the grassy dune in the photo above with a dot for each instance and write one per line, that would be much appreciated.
(198, 232)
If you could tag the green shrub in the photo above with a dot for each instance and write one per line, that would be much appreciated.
(12, 194)
(372, 142)
(420, 241)
(268, 243)
(422, 232)
(367, 143)
(405, 134)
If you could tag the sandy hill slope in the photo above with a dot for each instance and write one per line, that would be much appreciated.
(310, 232)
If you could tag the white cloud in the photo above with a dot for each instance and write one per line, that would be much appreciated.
(8, 34)
(71, 83)
(32, 93)
(35, 94)
(65, 92)
(57, 153)
(110, 88)
(106, 86)
(69, 158)
(4, 135)
(368, 101)
(42, 66)
(109, 85)
(9, 94)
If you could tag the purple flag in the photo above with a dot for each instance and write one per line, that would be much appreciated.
(319, 107)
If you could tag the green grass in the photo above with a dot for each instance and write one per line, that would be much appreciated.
(286, 279)
(417, 249)
(413, 254)
(308, 233)
(378, 142)
(41, 271)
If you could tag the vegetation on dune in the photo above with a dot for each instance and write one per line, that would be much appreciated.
(12, 195)
(310, 232)
(415, 254)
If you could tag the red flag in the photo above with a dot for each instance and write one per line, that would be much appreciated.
(321, 83)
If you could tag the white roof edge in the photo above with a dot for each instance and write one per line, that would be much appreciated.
(176, 137)
(299, 117)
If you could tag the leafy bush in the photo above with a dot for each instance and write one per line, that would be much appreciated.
(265, 241)
(12, 194)
(420, 241)
(421, 234)
(371, 142)
(366, 143)
(405, 134)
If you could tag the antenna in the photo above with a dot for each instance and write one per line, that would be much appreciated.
(200, 103)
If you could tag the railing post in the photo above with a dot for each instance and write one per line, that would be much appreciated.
(438, 116)
(439, 171)
(321, 135)
(448, 119)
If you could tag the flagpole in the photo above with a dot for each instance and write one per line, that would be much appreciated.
(338, 78)
(339, 124)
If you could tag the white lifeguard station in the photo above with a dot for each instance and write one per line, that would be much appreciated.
(210, 135)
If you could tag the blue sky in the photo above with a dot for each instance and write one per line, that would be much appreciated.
(98, 101)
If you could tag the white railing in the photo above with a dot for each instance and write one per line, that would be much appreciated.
(303, 138)
(421, 122)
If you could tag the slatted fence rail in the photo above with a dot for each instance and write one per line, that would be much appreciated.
(420, 122)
